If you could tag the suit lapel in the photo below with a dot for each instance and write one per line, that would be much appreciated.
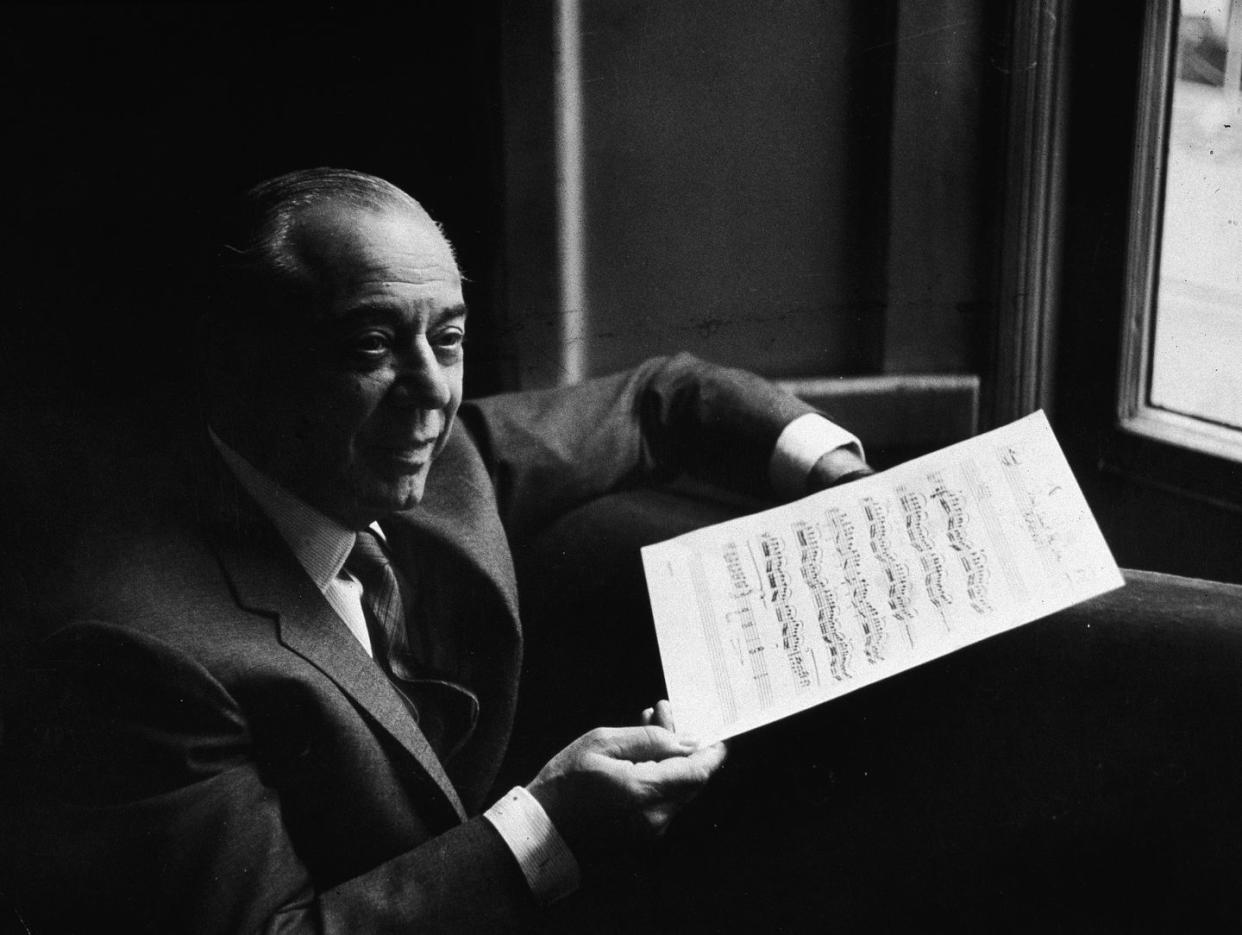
(468, 596)
(457, 518)
(267, 579)
(459, 511)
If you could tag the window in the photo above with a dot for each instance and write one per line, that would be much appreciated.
(1181, 379)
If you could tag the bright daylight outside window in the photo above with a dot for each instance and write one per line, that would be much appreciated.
(1195, 367)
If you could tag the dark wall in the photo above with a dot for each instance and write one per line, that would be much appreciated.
(734, 186)
(766, 184)
(948, 100)
(127, 126)
(802, 188)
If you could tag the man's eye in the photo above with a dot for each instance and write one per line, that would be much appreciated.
(449, 340)
(371, 344)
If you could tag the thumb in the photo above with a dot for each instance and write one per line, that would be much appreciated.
(638, 744)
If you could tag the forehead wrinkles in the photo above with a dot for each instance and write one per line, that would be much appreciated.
(340, 249)
(398, 269)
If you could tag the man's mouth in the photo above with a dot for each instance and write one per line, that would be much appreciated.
(412, 454)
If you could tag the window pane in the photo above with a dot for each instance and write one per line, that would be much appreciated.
(1196, 366)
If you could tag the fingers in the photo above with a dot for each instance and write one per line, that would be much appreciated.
(637, 744)
(663, 716)
(661, 764)
(668, 785)
(659, 716)
(713, 757)
(657, 818)
(624, 784)
(678, 774)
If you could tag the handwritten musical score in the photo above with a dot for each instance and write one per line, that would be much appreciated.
(766, 615)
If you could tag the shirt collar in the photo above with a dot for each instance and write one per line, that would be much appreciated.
(320, 544)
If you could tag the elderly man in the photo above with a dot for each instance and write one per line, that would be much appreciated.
(285, 702)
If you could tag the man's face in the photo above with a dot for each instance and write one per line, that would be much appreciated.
(354, 407)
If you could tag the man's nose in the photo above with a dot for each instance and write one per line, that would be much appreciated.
(422, 380)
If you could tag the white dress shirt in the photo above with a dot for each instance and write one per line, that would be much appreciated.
(803, 442)
(321, 545)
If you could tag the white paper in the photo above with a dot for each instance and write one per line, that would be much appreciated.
(767, 615)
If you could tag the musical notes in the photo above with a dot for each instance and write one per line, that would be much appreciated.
(858, 583)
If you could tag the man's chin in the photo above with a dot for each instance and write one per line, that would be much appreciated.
(383, 499)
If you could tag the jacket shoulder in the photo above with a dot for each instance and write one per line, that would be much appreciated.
(163, 581)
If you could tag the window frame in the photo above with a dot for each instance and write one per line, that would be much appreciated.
(1135, 413)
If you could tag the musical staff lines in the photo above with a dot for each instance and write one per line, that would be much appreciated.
(918, 530)
(875, 636)
(807, 601)
(827, 608)
(742, 619)
(779, 592)
(974, 560)
(711, 636)
(900, 587)
(981, 492)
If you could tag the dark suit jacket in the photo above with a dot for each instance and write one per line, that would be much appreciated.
(208, 749)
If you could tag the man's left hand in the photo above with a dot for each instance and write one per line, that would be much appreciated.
(839, 466)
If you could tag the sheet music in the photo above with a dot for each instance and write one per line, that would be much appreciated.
(763, 616)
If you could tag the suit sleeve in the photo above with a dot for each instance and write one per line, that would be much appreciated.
(551, 450)
(142, 807)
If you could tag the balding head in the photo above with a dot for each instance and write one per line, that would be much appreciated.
(265, 266)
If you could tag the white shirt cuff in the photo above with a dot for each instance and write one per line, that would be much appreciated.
(546, 860)
(802, 443)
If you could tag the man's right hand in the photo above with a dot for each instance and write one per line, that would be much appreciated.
(615, 787)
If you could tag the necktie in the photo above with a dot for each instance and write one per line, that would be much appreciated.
(446, 710)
